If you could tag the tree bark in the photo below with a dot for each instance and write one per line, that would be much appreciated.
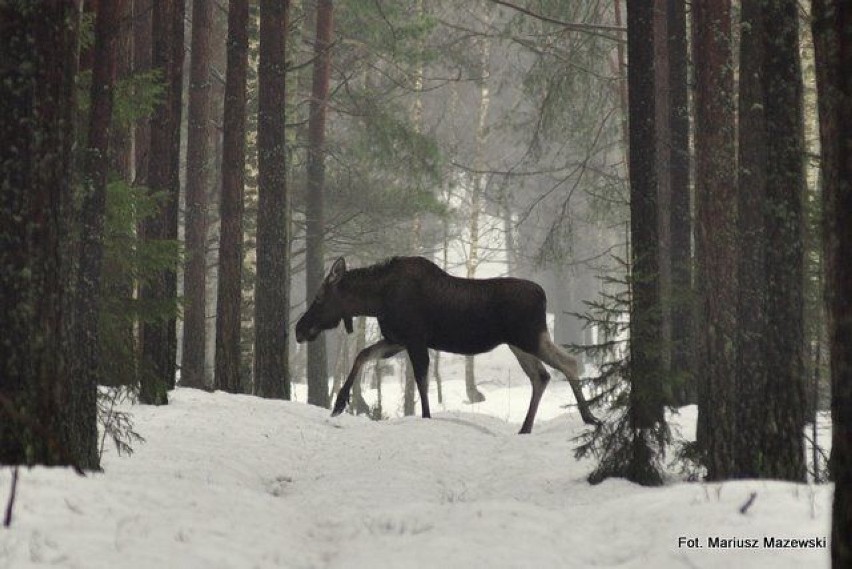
(477, 188)
(272, 292)
(38, 40)
(663, 152)
(716, 243)
(159, 338)
(646, 395)
(783, 443)
(197, 183)
(683, 339)
(832, 22)
(85, 366)
(118, 285)
(314, 215)
(751, 366)
(229, 294)
(141, 63)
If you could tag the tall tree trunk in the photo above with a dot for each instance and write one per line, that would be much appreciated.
(477, 188)
(121, 155)
(141, 63)
(174, 161)
(770, 372)
(272, 292)
(141, 148)
(38, 40)
(197, 182)
(159, 338)
(118, 288)
(314, 215)
(716, 243)
(85, 366)
(229, 295)
(646, 396)
(782, 448)
(663, 152)
(832, 32)
(683, 339)
(218, 64)
(417, 121)
(751, 366)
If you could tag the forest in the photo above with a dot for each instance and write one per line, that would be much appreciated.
(182, 180)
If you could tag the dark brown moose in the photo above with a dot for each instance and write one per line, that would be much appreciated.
(419, 306)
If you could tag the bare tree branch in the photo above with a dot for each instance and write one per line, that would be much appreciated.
(572, 26)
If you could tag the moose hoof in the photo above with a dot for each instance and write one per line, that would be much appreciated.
(338, 409)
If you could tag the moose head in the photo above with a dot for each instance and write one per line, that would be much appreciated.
(326, 311)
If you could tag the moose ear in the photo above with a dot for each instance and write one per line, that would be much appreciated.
(337, 270)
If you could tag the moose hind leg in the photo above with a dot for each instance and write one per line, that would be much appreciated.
(420, 362)
(381, 349)
(538, 378)
(554, 356)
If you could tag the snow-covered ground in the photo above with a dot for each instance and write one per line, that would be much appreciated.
(227, 481)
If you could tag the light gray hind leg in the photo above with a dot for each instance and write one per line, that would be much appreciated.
(381, 349)
(554, 356)
(538, 378)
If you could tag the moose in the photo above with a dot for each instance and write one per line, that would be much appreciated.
(419, 306)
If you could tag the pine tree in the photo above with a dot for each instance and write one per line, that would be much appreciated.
(832, 23)
(93, 211)
(37, 75)
(159, 337)
(716, 245)
(229, 299)
(197, 182)
(315, 210)
(272, 294)
(646, 370)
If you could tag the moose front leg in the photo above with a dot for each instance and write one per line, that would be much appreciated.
(419, 357)
(381, 349)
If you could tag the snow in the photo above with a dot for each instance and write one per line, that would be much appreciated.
(234, 481)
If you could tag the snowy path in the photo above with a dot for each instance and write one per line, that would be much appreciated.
(234, 481)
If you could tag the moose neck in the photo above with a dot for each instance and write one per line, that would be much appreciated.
(362, 290)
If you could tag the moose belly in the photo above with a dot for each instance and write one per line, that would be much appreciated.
(470, 337)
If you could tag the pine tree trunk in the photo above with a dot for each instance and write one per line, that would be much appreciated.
(272, 292)
(141, 64)
(751, 366)
(197, 182)
(314, 215)
(683, 339)
(832, 22)
(663, 158)
(119, 287)
(229, 294)
(782, 434)
(85, 366)
(159, 338)
(716, 243)
(473, 394)
(646, 395)
(38, 40)
(771, 398)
